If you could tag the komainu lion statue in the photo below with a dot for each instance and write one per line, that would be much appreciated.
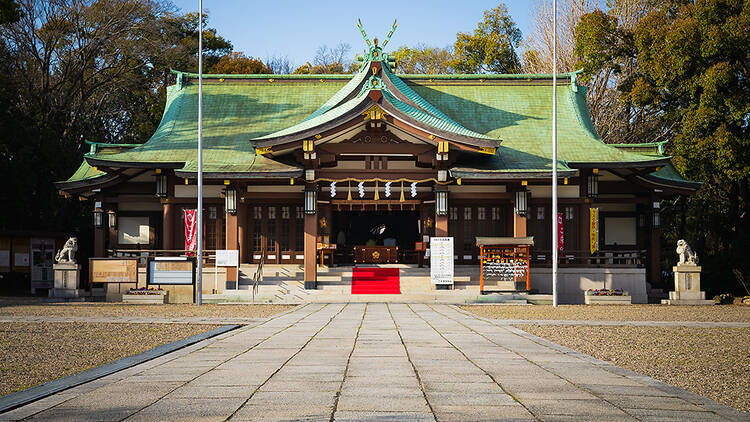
(687, 256)
(68, 252)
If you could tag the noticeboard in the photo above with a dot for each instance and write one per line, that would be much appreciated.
(113, 270)
(504, 263)
(441, 260)
(227, 258)
(171, 271)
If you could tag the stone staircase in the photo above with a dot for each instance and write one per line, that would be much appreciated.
(284, 284)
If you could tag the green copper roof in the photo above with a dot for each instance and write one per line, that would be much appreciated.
(239, 108)
(234, 112)
(520, 113)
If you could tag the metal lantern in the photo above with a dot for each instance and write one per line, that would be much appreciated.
(161, 185)
(593, 185)
(112, 219)
(522, 202)
(441, 202)
(230, 200)
(98, 218)
(310, 201)
(656, 219)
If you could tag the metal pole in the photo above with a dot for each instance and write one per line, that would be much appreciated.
(554, 153)
(199, 228)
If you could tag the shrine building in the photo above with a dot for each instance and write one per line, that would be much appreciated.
(365, 168)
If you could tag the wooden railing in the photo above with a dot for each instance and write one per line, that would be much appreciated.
(612, 258)
(209, 256)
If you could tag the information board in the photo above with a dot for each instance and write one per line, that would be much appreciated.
(171, 270)
(502, 264)
(113, 270)
(227, 258)
(441, 260)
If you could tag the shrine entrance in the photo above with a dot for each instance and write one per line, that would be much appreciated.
(375, 237)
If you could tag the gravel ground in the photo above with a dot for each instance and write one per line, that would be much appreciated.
(34, 353)
(723, 313)
(712, 362)
(26, 306)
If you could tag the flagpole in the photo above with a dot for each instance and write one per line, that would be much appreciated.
(199, 228)
(554, 154)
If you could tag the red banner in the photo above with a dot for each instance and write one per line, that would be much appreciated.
(560, 236)
(190, 223)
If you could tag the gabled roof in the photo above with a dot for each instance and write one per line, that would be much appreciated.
(376, 85)
(242, 112)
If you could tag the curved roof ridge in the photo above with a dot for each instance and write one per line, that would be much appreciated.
(411, 95)
(341, 95)
(432, 120)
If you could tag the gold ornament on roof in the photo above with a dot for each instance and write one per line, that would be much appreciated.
(375, 113)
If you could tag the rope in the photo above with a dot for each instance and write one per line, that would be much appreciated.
(377, 179)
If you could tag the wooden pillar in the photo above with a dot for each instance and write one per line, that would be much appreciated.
(167, 219)
(311, 239)
(441, 225)
(519, 225)
(100, 250)
(654, 257)
(167, 223)
(242, 231)
(231, 243)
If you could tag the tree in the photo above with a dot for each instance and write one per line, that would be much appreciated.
(238, 63)
(690, 71)
(424, 59)
(279, 65)
(492, 46)
(74, 71)
(582, 28)
(329, 61)
(538, 44)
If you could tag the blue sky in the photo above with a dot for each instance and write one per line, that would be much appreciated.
(297, 28)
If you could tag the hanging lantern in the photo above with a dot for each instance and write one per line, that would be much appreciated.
(656, 219)
(522, 202)
(441, 202)
(310, 201)
(593, 185)
(161, 185)
(98, 218)
(112, 219)
(230, 200)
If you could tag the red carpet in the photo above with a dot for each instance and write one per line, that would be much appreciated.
(375, 281)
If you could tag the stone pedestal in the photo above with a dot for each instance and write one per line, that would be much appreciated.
(67, 280)
(687, 287)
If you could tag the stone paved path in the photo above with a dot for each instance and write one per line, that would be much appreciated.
(376, 362)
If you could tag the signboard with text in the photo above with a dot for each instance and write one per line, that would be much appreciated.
(171, 270)
(227, 258)
(441, 260)
(113, 270)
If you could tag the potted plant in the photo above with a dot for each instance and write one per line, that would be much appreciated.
(606, 297)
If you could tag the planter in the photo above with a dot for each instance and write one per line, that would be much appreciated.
(615, 299)
(152, 298)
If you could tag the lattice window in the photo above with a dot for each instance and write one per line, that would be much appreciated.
(481, 213)
(568, 213)
(285, 213)
(453, 213)
(540, 213)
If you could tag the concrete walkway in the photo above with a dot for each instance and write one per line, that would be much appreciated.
(381, 362)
